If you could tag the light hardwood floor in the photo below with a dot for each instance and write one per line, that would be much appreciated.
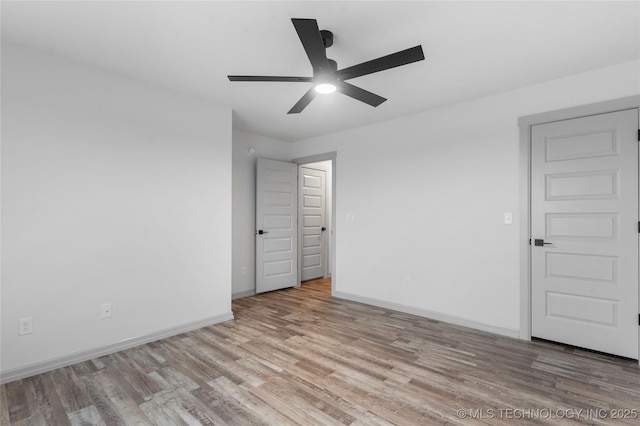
(298, 356)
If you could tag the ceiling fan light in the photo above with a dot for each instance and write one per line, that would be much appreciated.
(325, 88)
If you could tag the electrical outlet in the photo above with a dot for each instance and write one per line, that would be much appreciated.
(407, 281)
(25, 326)
(244, 271)
(106, 310)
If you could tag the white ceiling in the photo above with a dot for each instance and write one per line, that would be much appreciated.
(472, 49)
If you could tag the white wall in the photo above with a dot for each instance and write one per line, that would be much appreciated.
(112, 191)
(428, 193)
(244, 202)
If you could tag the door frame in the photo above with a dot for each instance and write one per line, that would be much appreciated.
(326, 249)
(525, 123)
(328, 156)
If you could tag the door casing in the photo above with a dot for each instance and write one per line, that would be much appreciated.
(525, 123)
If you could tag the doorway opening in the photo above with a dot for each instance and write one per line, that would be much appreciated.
(316, 218)
(292, 243)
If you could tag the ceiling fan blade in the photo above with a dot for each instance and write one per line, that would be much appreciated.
(269, 78)
(360, 94)
(303, 102)
(312, 42)
(393, 60)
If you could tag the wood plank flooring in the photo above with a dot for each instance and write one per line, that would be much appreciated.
(300, 357)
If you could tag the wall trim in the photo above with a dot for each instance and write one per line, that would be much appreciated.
(604, 107)
(437, 316)
(88, 354)
(525, 123)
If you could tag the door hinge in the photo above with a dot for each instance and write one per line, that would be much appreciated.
(530, 238)
(638, 135)
(638, 319)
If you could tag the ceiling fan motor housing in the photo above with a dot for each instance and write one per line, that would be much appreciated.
(333, 65)
(327, 75)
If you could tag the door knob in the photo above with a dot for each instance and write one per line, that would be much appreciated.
(260, 232)
(540, 243)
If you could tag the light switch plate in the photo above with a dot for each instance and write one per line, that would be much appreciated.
(508, 218)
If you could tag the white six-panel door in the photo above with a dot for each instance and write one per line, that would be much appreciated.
(276, 225)
(313, 226)
(584, 198)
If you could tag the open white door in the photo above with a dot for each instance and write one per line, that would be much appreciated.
(313, 224)
(584, 224)
(276, 225)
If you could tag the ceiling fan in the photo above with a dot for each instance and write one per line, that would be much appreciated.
(327, 78)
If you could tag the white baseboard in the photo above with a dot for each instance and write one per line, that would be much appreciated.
(437, 316)
(86, 355)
